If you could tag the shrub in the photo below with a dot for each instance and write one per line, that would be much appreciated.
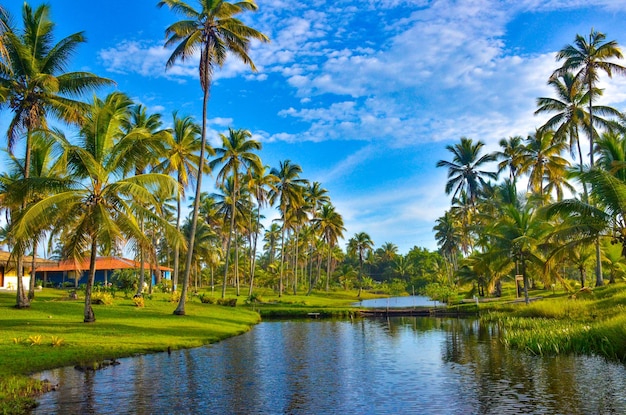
(254, 299)
(229, 302)
(206, 298)
(35, 339)
(101, 297)
(175, 297)
(57, 341)
(139, 301)
(165, 286)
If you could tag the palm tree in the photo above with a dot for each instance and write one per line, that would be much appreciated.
(360, 244)
(216, 32)
(33, 85)
(147, 142)
(589, 57)
(448, 237)
(96, 207)
(260, 183)
(464, 171)
(517, 236)
(271, 237)
(568, 107)
(541, 160)
(237, 157)
(288, 193)
(509, 156)
(182, 159)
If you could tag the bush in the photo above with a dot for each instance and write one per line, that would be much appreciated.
(139, 301)
(229, 302)
(101, 297)
(206, 298)
(165, 286)
(254, 299)
(175, 297)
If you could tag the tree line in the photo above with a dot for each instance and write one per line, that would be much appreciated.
(539, 207)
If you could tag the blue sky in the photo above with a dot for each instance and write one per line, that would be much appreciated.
(363, 94)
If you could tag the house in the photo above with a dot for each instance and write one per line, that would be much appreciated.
(8, 276)
(67, 270)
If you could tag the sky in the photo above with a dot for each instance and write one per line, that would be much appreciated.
(364, 95)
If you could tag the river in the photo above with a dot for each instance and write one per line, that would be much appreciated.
(361, 366)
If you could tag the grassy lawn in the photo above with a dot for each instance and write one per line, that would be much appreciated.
(51, 334)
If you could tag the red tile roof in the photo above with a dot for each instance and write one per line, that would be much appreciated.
(102, 263)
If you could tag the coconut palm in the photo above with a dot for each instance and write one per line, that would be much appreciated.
(288, 195)
(568, 109)
(360, 244)
(97, 206)
(217, 33)
(181, 159)
(34, 86)
(586, 58)
(509, 156)
(517, 236)
(541, 160)
(448, 237)
(464, 171)
(236, 157)
(271, 237)
(260, 183)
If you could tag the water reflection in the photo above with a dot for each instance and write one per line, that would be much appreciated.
(365, 366)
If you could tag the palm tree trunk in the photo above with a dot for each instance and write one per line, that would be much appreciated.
(282, 261)
(89, 316)
(599, 280)
(180, 309)
(31, 285)
(230, 237)
(295, 266)
(177, 246)
(255, 238)
(328, 267)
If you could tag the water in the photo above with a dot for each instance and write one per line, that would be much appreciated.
(398, 302)
(366, 366)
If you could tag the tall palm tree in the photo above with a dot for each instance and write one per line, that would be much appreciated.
(568, 109)
(236, 157)
(260, 183)
(288, 194)
(216, 32)
(33, 85)
(97, 206)
(147, 141)
(541, 160)
(182, 159)
(587, 58)
(360, 244)
(464, 171)
(509, 156)
(271, 237)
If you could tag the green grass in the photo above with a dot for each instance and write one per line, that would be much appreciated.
(51, 334)
(590, 322)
